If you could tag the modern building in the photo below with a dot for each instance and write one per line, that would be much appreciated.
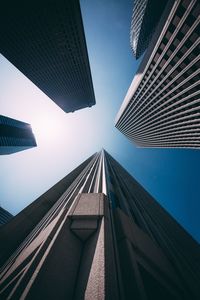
(146, 14)
(5, 216)
(162, 106)
(15, 136)
(45, 40)
(97, 234)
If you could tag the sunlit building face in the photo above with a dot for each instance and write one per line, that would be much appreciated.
(161, 108)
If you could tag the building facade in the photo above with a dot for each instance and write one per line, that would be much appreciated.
(97, 234)
(161, 107)
(15, 136)
(45, 40)
(146, 14)
(5, 216)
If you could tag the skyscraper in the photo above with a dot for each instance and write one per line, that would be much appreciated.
(161, 107)
(97, 234)
(45, 40)
(146, 14)
(15, 136)
(5, 216)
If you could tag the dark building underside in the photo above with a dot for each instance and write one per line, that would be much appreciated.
(45, 40)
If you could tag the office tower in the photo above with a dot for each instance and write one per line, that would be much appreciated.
(5, 216)
(45, 40)
(15, 136)
(146, 14)
(97, 234)
(161, 107)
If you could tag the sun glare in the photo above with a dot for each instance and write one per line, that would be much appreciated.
(46, 128)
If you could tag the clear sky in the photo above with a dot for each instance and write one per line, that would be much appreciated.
(65, 140)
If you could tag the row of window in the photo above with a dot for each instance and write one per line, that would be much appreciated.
(9, 141)
(187, 45)
(156, 88)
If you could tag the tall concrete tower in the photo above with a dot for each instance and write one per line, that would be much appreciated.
(97, 234)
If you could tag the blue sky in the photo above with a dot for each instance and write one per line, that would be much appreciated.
(65, 140)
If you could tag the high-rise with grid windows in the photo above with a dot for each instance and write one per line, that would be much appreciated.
(146, 14)
(162, 105)
(45, 40)
(15, 136)
(97, 234)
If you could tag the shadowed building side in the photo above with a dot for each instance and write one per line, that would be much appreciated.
(15, 136)
(102, 237)
(45, 40)
(5, 216)
(146, 14)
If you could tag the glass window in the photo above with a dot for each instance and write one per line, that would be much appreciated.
(176, 20)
